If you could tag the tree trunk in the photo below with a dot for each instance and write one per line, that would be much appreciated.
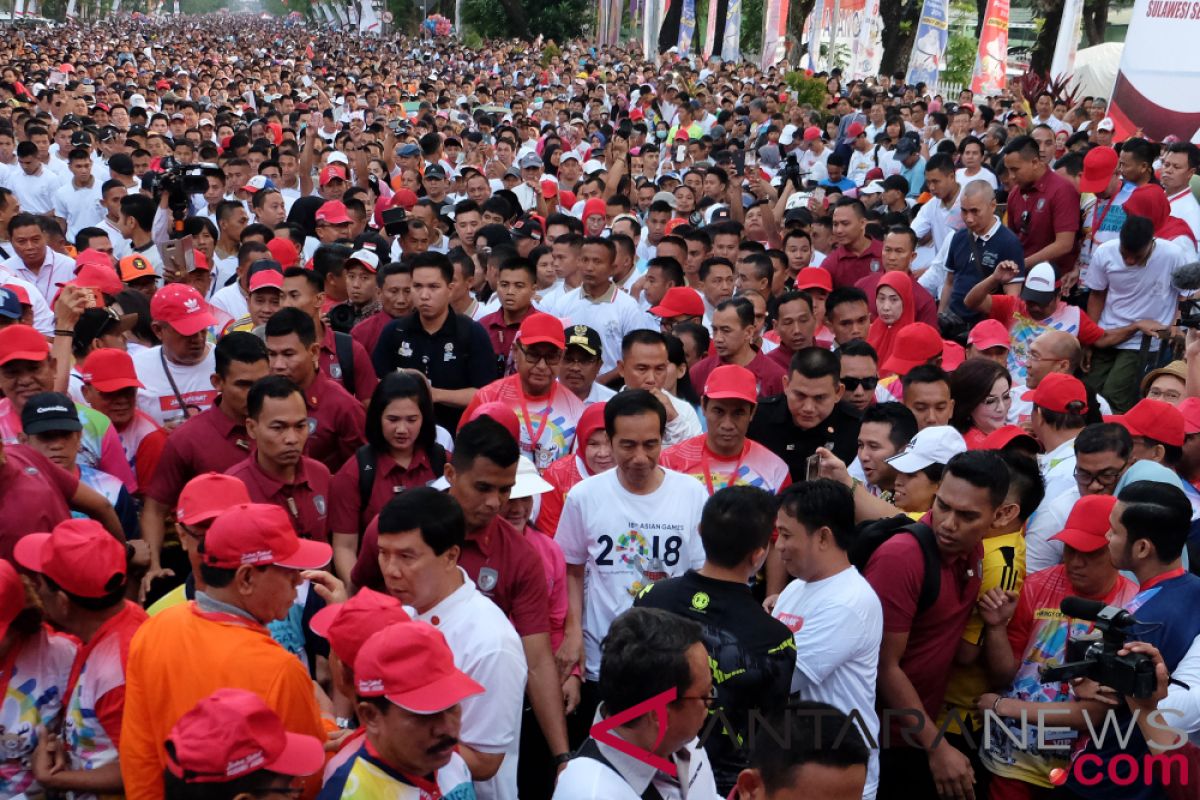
(1042, 53)
(1095, 20)
(899, 28)
(980, 10)
(797, 14)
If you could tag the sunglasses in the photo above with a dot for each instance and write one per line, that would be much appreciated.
(853, 384)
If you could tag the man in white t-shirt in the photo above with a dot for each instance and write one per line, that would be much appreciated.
(834, 614)
(176, 375)
(645, 364)
(421, 532)
(625, 528)
(78, 203)
(941, 217)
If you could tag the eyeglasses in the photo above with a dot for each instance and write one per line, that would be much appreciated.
(1106, 478)
(853, 384)
(552, 359)
(996, 401)
(709, 700)
(1168, 396)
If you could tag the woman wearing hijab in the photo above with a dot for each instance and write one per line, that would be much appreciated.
(1150, 201)
(895, 308)
(593, 455)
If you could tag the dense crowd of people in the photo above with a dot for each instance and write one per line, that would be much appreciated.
(386, 419)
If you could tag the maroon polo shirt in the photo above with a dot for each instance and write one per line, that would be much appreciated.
(346, 514)
(895, 572)
(771, 376)
(337, 423)
(1038, 213)
(211, 441)
(502, 334)
(926, 307)
(366, 333)
(34, 493)
(306, 499)
(504, 565)
(847, 268)
(365, 378)
(783, 357)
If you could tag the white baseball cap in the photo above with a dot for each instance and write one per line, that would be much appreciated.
(934, 445)
(874, 187)
(529, 483)
(1039, 284)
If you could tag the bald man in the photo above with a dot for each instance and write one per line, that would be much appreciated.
(1053, 351)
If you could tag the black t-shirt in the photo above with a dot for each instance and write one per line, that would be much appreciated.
(752, 657)
(458, 356)
(773, 428)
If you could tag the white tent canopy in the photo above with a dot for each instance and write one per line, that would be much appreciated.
(1096, 69)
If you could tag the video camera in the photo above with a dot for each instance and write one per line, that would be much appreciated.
(790, 171)
(1095, 656)
(179, 182)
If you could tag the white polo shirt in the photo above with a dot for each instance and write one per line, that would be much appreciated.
(837, 624)
(35, 192)
(486, 647)
(79, 207)
(627, 541)
(612, 315)
(939, 221)
(56, 269)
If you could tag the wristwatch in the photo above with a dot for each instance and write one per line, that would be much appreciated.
(561, 759)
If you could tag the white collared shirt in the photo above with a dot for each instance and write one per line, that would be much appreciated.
(628, 778)
(55, 269)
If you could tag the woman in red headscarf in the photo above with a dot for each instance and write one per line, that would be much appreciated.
(1150, 201)
(593, 455)
(895, 309)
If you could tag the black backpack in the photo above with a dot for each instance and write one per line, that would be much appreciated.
(868, 536)
(365, 457)
(343, 347)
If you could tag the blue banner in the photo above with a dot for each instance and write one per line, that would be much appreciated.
(731, 47)
(687, 27)
(929, 46)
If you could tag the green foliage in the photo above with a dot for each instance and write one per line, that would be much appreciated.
(960, 57)
(560, 20)
(809, 91)
(472, 40)
(484, 18)
(752, 26)
(198, 6)
(549, 53)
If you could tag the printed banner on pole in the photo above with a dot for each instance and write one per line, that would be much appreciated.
(992, 58)
(774, 22)
(925, 62)
(687, 27)
(368, 20)
(649, 29)
(731, 45)
(710, 29)
(1068, 39)
(1156, 91)
(815, 27)
(865, 53)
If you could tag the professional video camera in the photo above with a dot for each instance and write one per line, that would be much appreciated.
(179, 182)
(790, 171)
(1095, 656)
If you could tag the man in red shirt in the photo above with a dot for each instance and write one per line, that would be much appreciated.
(337, 420)
(547, 411)
(212, 441)
(1043, 209)
(899, 253)
(856, 255)
(919, 645)
(277, 472)
(81, 571)
(516, 282)
(795, 326)
(733, 338)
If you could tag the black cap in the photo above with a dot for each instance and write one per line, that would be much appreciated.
(108, 133)
(584, 338)
(49, 411)
(81, 139)
(395, 221)
(136, 130)
(435, 171)
(96, 322)
(527, 228)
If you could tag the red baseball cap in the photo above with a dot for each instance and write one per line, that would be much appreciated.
(404, 198)
(919, 343)
(1004, 436)
(672, 223)
(200, 261)
(814, 278)
(539, 328)
(348, 625)
(989, 333)
(207, 495)
(94, 257)
(411, 665)
(79, 555)
(855, 129)
(284, 251)
(679, 301)
(1153, 419)
(1057, 391)
(266, 279)
(12, 595)
(1099, 166)
(1190, 409)
(332, 172)
(108, 369)
(232, 733)
(22, 343)
(500, 413)
(1086, 528)
(953, 355)
(181, 307)
(333, 212)
(20, 291)
(549, 188)
(259, 534)
(731, 382)
(812, 133)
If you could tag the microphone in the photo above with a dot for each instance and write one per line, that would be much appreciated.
(1081, 608)
(1186, 278)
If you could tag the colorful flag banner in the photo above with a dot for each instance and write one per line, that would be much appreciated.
(1068, 39)
(865, 50)
(774, 32)
(1157, 91)
(925, 62)
(687, 26)
(992, 59)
